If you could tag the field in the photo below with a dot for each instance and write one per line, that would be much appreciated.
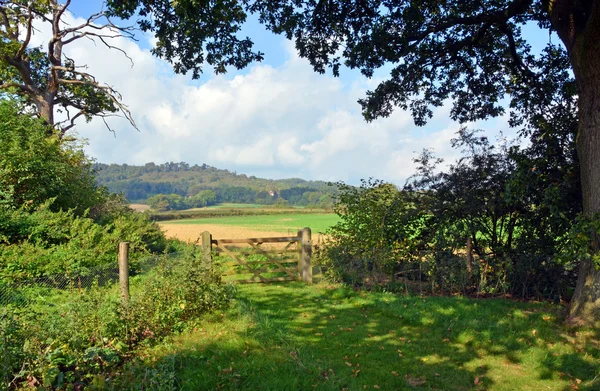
(324, 337)
(249, 226)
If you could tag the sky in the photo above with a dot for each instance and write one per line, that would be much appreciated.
(274, 119)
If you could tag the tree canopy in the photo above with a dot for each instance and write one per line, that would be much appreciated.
(473, 54)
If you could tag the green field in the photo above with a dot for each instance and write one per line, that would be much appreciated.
(229, 205)
(276, 223)
(321, 337)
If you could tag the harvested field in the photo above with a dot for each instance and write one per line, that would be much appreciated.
(139, 207)
(192, 232)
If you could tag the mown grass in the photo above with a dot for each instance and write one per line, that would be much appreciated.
(298, 337)
(284, 223)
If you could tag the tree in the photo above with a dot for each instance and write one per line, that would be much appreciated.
(470, 52)
(50, 81)
(35, 167)
(47, 78)
(474, 54)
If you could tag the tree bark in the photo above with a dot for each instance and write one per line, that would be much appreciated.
(583, 44)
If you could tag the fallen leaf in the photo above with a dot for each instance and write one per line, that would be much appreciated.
(349, 364)
(578, 381)
(415, 381)
(376, 386)
(534, 332)
(477, 380)
(394, 373)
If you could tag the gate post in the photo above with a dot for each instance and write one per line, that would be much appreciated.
(206, 249)
(306, 271)
(123, 259)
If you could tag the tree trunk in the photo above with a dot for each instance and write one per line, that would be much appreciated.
(45, 108)
(584, 50)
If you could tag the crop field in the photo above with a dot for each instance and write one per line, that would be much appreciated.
(249, 226)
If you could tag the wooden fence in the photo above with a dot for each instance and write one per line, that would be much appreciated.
(248, 259)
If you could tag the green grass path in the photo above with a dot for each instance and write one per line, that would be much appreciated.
(297, 337)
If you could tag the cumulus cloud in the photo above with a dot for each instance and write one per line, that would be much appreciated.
(284, 121)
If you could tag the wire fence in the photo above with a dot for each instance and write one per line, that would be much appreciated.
(37, 312)
(24, 292)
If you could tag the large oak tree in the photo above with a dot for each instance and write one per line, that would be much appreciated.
(471, 52)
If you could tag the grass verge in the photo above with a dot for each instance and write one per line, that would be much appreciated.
(298, 337)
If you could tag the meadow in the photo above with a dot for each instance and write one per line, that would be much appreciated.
(329, 337)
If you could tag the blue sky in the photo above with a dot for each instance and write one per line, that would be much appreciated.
(273, 119)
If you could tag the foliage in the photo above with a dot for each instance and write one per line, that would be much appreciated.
(43, 242)
(191, 34)
(35, 167)
(88, 334)
(470, 52)
(163, 203)
(380, 228)
(516, 205)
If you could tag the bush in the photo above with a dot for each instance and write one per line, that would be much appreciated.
(88, 334)
(379, 234)
(44, 242)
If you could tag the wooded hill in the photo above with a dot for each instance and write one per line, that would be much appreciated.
(138, 183)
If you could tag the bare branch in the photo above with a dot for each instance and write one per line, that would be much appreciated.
(6, 23)
(22, 87)
(27, 37)
(71, 121)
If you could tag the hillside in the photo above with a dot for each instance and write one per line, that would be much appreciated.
(138, 183)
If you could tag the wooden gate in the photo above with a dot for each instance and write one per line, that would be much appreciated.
(262, 260)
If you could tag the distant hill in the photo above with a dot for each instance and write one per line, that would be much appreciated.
(138, 183)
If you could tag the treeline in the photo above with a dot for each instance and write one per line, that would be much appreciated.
(176, 186)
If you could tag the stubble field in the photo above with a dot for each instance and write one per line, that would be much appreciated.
(236, 227)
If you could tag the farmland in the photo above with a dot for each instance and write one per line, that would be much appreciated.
(249, 226)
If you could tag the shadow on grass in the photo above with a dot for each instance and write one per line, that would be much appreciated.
(295, 337)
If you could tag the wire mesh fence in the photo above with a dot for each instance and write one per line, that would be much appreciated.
(42, 313)
(25, 291)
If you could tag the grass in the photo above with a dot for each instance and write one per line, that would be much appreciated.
(284, 223)
(298, 337)
(231, 205)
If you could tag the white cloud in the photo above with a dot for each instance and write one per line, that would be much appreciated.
(284, 121)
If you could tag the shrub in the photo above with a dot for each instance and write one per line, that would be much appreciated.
(44, 242)
(88, 334)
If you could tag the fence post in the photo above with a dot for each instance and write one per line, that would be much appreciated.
(207, 249)
(469, 261)
(306, 254)
(124, 271)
